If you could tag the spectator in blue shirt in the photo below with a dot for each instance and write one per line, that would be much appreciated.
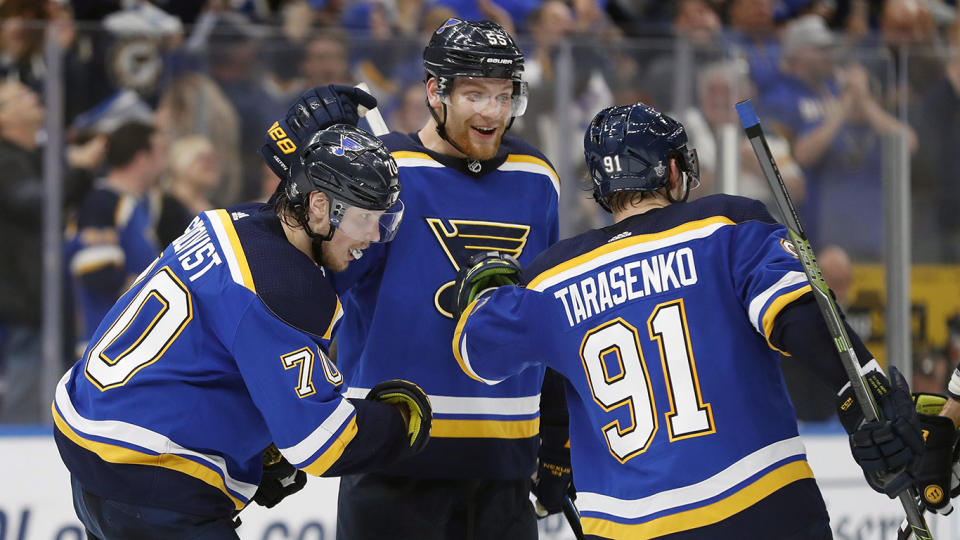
(835, 127)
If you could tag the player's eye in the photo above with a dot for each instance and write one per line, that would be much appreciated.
(503, 99)
(475, 97)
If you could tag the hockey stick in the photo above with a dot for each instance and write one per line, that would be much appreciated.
(828, 308)
(573, 517)
(377, 126)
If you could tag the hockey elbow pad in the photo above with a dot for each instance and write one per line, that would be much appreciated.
(483, 271)
(935, 472)
(414, 400)
(888, 449)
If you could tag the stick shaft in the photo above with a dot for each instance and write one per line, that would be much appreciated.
(828, 308)
(377, 125)
(573, 517)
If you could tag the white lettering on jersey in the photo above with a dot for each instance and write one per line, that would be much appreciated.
(194, 247)
(597, 293)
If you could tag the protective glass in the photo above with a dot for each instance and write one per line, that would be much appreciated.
(501, 105)
(374, 226)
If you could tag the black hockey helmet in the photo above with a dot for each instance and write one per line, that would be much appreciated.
(472, 49)
(628, 148)
(354, 170)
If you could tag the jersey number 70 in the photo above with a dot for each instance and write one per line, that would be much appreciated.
(618, 341)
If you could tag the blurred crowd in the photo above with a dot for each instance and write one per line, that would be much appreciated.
(166, 103)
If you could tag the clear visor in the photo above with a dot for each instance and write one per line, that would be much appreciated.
(504, 105)
(369, 225)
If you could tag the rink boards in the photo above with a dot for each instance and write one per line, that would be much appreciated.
(35, 500)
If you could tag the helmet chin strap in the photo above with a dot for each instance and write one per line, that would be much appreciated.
(316, 239)
(442, 132)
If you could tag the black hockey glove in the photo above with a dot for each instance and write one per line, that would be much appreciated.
(414, 400)
(280, 479)
(888, 450)
(553, 482)
(484, 271)
(934, 479)
(315, 110)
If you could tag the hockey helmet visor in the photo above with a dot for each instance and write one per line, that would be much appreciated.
(374, 226)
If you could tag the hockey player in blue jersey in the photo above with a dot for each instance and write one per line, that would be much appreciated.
(668, 326)
(468, 187)
(217, 356)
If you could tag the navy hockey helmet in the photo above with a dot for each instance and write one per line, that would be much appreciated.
(355, 170)
(481, 49)
(628, 148)
(472, 49)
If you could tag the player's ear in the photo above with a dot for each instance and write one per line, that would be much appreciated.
(319, 207)
(433, 99)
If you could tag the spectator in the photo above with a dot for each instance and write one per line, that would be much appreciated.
(835, 128)
(753, 31)
(115, 239)
(720, 86)
(194, 172)
(22, 34)
(233, 63)
(696, 41)
(193, 175)
(907, 26)
(21, 41)
(193, 104)
(410, 114)
(325, 59)
(21, 229)
(550, 24)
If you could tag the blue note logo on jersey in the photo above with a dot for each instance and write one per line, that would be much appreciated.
(461, 238)
(346, 143)
(788, 246)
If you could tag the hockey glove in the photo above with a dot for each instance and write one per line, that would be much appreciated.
(280, 479)
(553, 482)
(482, 272)
(888, 449)
(411, 398)
(315, 110)
(936, 470)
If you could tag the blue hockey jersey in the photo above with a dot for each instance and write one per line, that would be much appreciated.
(398, 321)
(217, 350)
(679, 418)
(114, 241)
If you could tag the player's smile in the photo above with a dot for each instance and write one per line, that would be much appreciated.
(485, 131)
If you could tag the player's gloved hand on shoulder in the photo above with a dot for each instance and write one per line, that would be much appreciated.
(280, 479)
(412, 400)
(482, 272)
(936, 477)
(888, 450)
(315, 110)
(553, 483)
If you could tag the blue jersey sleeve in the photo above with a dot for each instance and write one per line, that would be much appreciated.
(766, 271)
(498, 334)
(298, 391)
